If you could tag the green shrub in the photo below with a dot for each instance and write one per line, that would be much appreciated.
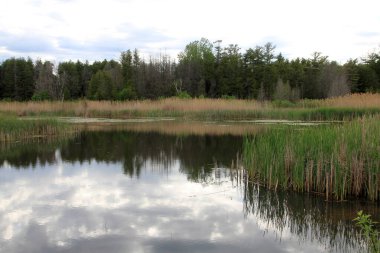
(126, 94)
(41, 96)
(183, 95)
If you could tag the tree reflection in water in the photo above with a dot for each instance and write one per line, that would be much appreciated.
(205, 159)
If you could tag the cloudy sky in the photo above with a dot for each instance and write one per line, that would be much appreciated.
(94, 30)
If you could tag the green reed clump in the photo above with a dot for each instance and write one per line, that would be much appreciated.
(339, 161)
(13, 128)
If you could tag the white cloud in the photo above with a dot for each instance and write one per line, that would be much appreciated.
(340, 29)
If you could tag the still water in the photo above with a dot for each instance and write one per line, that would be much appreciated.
(130, 191)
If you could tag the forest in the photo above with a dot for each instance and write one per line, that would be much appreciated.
(203, 69)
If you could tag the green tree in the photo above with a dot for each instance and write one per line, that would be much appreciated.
(9, 78)
(101, 86)
(260, 70)
(373, 61)
(312, 85)
(296, 74)
(368, 79)
(196, 67)
(352, 69)
(254, 72)
(126, 60)
(114, 70)
(84, 74)
(17, 79)
(70, 79)
(230, 72)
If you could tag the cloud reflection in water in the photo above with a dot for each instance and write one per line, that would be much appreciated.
(90, 204)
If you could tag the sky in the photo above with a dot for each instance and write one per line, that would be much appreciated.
(60, 30)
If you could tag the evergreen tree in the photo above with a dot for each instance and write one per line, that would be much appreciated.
(69, 77)
(101, 86)
(126, 60)
(352, 69)
(231, 69)
(9, 78)
(18, 79)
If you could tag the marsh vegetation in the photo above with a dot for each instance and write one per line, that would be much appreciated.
(340, 108)
(338, 161)
(13, 128)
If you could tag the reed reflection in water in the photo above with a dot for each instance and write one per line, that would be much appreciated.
(157, 192)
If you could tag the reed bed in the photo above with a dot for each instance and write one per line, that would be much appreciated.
(338, 161)
(85, 107)
(341, 108)
(364, 100)
(15, 129)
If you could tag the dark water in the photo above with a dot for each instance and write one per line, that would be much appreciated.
(122, 191)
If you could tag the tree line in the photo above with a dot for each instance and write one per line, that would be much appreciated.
(203, 69)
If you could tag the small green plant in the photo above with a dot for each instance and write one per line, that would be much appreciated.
(183, 95)
(368, 228)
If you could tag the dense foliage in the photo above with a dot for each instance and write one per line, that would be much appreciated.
(204, 69)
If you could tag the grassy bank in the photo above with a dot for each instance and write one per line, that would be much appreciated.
(339, 161)
(15, 129)
(343, 108)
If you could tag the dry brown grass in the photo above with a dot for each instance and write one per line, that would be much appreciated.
(178, 107)
(179, 128)
(170, 104)
(367, 100)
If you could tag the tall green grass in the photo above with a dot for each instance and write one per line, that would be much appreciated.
(13, 128)
(339, 161)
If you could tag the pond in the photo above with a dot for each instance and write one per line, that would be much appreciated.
(145, 188)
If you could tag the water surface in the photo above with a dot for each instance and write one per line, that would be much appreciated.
(144, 191)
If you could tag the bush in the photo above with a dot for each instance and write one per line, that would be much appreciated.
(41, 96)
(183, 95)
(126, 94)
